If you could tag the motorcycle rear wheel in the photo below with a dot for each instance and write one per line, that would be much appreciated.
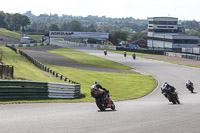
(191, 89)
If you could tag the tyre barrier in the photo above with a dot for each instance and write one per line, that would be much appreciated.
(12, 89)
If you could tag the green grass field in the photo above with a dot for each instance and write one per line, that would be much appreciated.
(11, 34)
(88, 59)
(16, 35)
(24, 69)
(121, 85)
(36, 37)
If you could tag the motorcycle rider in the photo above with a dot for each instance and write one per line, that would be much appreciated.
(133, 55)
(166, 88)
(189, 84)
(105, 52)
(96, 86)
(124, 53)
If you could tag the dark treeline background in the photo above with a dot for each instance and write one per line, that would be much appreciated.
(120, 28)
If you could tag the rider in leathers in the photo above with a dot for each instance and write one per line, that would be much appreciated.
(96, 86)
(166, 88)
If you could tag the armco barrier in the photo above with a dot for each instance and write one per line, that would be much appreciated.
(10, 89)
(40, 65)
(183, 55)
(26, 45)
(45, 68)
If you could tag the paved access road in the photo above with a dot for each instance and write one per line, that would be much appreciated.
(150, 114)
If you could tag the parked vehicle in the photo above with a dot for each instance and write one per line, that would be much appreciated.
(103, 102)
(26, 40)
(170, 93)
(133, 46)
(189, 86)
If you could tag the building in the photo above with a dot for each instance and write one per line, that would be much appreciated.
(164, 32)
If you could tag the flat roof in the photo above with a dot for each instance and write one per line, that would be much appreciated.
(163, 18)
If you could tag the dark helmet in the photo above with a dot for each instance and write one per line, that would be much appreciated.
(96, 83)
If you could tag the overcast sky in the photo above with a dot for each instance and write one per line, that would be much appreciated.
(182, 9)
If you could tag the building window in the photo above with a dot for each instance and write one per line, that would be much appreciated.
(163, 30)
(185, 41)
(162, 26)
(160, 39)
(163, 22)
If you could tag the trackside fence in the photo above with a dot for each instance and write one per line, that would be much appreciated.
(10, 89)
(6, 72)
(42, 66)
(183, 55)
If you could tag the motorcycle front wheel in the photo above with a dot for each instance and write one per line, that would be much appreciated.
(100, 104)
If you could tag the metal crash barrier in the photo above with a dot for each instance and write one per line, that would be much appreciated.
(11, 89)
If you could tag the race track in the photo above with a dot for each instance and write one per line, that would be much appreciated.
(150, 114)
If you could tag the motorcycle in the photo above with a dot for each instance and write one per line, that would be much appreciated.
(124, 53)
(105, 52)
(103, 102)
(172, 96)
(134, 56)
(190, 87)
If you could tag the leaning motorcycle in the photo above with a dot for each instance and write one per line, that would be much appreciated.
(171, 96)
(101, 102)
(190, 87)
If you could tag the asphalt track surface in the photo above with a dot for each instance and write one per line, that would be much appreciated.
(150, 114)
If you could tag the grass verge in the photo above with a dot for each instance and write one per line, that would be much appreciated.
(12, 34)
(24, 69)
(88, 59)
(121, 85)
(36, 37)
(16, 35)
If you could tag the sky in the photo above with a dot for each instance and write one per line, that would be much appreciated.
(138, 9)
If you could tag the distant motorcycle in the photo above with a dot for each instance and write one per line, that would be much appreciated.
(105, 52)
(189, 86)
(124, 53)
(170, 93)
(134, 56)
(101, 102)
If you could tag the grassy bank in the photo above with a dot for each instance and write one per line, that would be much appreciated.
(121, 85)
(23, 69)
(11, 34)
(16, 35)
(88, 59)
(36, 37)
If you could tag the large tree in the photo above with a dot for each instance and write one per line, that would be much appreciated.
(24, 21)
(54, 27)
(74, 25)
(119, 35)
(3, 23)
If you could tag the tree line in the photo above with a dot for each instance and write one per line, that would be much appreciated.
(13, 22)
(119, 28)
